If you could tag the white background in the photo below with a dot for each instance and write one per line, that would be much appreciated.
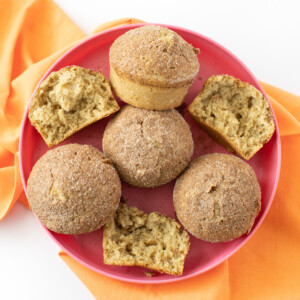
(265, 35)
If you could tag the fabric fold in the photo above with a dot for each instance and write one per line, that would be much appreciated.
(286, 108)
(29, 44)
(210, 285)
(115, 23)
(28, 35)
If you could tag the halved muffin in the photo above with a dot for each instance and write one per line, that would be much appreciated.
(235, 114)
(133, 238)
(69, 100)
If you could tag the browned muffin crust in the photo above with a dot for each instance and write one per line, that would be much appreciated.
(148, 148)
(74, 189)
(155, 56)
(217, 198)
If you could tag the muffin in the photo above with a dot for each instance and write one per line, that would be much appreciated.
(148, 148)
(235, 114)
(217, 198)
(152, 67)
(133, 238)
(69, 100)
(74, 189)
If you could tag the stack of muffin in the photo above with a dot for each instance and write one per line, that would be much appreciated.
(76, 189)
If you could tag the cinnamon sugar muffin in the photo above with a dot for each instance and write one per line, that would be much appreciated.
(69, 100)
(74, 189)
(234, 113)
(152, 67)
(217, 198)
(133, 238)
(148, 148)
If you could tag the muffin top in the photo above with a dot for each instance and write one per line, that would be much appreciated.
(148, 148)
(154, 55)
(217, 198)
(74, 189)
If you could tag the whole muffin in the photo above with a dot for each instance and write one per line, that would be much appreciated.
(217, 198)
(152, 67)
(74, 189)
(148, 148)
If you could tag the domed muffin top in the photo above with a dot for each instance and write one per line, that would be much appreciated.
(217, 198)
(74, 189)
(154, 55)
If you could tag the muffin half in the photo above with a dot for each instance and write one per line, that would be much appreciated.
(234, 113)
(133, 238)
(69, 100)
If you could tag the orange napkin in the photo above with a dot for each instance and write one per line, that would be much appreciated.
(33, 34)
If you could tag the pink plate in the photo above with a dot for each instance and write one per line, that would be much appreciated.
(87, 249)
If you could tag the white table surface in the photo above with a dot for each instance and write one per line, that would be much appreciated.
(265, 35)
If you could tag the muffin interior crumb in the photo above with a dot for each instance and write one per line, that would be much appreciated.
(69, 100)
(239, 112)
(133, 238)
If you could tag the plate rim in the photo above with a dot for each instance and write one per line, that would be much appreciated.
(278, 167)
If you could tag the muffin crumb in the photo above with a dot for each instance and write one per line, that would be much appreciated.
(235, 114)
(149, 274)
(69, 100)
(133, 238)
